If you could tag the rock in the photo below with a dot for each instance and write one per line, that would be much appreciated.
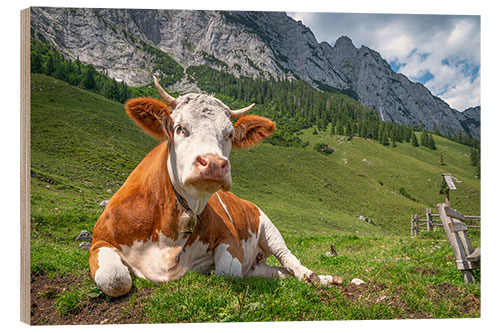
(328, 254)
(104, 203)
(84, 236)
(84, 245)
(357, 282)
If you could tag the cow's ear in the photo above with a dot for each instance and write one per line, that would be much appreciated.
(151, 115)
(251, 130)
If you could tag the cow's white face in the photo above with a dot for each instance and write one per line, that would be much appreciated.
(201, 135)
(202, 139)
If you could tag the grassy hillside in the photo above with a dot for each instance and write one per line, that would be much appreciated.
(83, 147)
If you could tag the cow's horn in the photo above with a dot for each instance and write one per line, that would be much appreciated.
(241, 112)
(172, 102)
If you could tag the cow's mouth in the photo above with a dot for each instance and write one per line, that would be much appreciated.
(208, 185)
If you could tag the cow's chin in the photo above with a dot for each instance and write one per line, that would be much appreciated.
(208, 186)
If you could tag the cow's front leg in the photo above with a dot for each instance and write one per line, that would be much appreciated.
(228, 259)
(108, 270)
(273, 243)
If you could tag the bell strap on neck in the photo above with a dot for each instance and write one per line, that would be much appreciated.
(188, 218)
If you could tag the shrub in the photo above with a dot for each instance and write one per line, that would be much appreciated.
(323, 148)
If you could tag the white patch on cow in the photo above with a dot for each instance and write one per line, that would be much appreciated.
(225, 263)
(112, 276)
(251, 249)
(225, 208)
(164, 260)
(273, 243)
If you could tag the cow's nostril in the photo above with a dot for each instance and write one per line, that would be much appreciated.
(224, 164)
(201, 161)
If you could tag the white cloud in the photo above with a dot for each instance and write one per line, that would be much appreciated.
(446, 46)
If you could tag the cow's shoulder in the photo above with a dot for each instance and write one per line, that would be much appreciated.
(243, 215)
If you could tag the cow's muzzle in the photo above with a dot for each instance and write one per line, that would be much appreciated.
(210, 173)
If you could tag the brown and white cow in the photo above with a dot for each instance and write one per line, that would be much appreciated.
(175, 213)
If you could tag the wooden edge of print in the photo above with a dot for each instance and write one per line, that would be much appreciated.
(25, 167)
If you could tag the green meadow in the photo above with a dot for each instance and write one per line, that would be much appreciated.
(83, 147)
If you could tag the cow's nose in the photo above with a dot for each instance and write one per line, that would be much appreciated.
(212, 166)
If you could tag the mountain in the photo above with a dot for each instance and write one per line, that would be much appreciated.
(471, 121)
(129, 45)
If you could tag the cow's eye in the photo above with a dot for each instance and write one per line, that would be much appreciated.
(230, 136)
(179, 129)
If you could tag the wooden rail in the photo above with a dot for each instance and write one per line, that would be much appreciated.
(429, 220)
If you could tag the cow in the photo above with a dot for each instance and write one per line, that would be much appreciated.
(175, 212)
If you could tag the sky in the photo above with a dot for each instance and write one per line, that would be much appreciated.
(440, 51)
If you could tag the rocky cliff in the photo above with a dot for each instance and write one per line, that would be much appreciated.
(124, 44)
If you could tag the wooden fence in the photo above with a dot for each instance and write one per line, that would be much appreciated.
(429, 220)
(452, 221)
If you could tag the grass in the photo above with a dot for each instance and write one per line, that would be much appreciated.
(83, 147)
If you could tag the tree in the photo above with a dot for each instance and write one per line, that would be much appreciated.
(89, 78)
(441, 159)
(348, 129)
(48, 66)
(431, 144)
(474, 156)
(61, 71)
(110, 90)
(36, 62)
(384, 140)
(340, 128)
(424, 138)
(414, 140)
(436, 130)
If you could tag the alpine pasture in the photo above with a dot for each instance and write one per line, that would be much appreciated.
(83, 146)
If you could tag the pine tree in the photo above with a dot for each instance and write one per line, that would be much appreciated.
(332, 129)
(48, 66)
(348, 129)
(340, 128)
(89, 79)
(424, 139)
(431, 144)
(36, 62)
(384, 140)
(474, 156)
(436, 130)
(414, 140)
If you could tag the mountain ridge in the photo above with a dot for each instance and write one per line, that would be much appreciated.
(267, 45)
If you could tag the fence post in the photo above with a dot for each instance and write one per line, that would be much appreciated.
(428, 218)
(431, 219)
(416, 225)
(411, 226)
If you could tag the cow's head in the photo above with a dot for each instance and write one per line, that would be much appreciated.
(201, 135)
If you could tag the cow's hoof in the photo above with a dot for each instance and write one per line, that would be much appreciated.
(313, 278)
(115, 286)
(113, 281)
(328, 280)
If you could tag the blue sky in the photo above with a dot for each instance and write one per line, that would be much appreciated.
(440, 51)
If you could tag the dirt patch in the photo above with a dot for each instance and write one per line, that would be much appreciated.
(425, 271)
(99, 310)
(467, 304)
(374, 293)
